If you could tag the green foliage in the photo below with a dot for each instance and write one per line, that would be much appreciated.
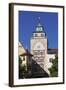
(54, 68)
(22, 69)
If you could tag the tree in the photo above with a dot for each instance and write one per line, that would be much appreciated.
(22, 69)
(54, 68)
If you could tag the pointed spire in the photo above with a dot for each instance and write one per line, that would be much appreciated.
(39, 24)
(39, 27)
(39, 21)
(39, 18)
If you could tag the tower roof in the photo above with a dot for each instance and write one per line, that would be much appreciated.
(39, 28)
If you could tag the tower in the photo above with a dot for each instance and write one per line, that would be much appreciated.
(38, 45)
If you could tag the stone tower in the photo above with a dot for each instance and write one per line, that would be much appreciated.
(38, 45)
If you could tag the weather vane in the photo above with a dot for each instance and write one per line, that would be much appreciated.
(39, 18)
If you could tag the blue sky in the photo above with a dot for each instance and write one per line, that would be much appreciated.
(27, 25)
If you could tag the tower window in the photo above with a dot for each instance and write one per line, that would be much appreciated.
(35, 35)
(23, 58)
(42, 35)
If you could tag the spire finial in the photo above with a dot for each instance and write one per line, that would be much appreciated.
(39, 18)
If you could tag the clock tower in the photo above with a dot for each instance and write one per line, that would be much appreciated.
(38, 44)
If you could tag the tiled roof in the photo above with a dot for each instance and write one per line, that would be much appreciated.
(52, 51)
(27, 53)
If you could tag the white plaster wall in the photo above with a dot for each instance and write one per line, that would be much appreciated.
(34, 41)
(47, 63)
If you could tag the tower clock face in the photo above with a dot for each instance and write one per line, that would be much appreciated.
(39, 46)
(39, 49)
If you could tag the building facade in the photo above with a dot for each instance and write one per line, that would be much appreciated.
(25, 62)
(39, 48)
